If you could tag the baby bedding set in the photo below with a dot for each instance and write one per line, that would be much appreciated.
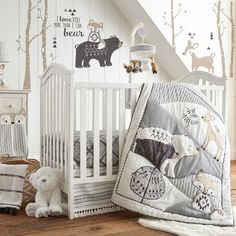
(176, 160)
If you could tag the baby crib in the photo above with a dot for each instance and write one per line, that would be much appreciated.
(77, 117)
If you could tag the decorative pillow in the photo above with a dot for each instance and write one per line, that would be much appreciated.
(12, 179)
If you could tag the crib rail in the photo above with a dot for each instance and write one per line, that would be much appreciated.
(212, 86)
(105, 104)
(56, 122)
(68, 106)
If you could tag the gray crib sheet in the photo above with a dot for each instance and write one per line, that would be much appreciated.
(103, 146)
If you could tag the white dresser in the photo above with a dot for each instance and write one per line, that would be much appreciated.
(14, 107)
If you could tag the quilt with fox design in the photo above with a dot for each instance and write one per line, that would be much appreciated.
(176, 159)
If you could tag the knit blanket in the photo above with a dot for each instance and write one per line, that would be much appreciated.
(13, 140)
(184, 229)
(12, 178)
(176, 160)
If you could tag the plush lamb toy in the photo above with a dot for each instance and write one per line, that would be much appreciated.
(47, 181)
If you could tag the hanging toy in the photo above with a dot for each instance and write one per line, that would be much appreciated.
(134, 66)
(146, 65)
(154, 66)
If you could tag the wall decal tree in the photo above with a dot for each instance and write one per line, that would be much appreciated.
(231, 20)
(28, 41)
(171, 24)
(43, 32)
(220, 29)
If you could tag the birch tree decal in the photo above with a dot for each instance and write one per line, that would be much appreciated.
(220, 30)
(43, 32)
(231, 20)
(171, 24)
(29, 40)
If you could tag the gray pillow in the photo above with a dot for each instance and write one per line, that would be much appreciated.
(12, 179)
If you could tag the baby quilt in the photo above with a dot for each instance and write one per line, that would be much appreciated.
(176, 160)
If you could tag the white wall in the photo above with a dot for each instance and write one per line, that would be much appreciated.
(13, 15)
(232, 107)
(231, 116)
(198, 18)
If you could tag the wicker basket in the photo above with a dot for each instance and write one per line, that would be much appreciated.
(28, 191)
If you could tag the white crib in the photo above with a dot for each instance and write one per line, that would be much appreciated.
(68, 106)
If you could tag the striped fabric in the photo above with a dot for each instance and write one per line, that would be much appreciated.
(92, 195)
(175, 92)
(11, 185)
(90, 171)
(13, 140)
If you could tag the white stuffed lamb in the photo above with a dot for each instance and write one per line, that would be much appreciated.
(47, 181)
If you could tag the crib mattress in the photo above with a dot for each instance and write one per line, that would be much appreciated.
(90, 148)
(89, 171)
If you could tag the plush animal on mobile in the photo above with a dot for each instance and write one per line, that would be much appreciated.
(48, 202)
(136, 66)
(154, 66)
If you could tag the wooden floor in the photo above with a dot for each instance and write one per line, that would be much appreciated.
(117, 224)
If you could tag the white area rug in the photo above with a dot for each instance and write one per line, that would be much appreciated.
(184, 229)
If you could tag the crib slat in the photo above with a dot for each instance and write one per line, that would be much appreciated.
(62, 136)
(109, 132)
(219, 101)
(66, 151)
(54, 120)
(83, 125)
(96, 144)
(43, 104)
(104, 109)
(58, 118)
(207, 92)
(133, 101)
(213, 97)
(114, 110)
(64, 160)
(121, 122)
(51, 122)
(48, 124)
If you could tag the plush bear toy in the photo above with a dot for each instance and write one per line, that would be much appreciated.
(153, 65)
(134, 66)
(47, 181)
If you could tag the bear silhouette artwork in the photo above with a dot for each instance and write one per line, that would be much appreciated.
(89, 50)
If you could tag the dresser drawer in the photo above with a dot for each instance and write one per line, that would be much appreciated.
(12, 103)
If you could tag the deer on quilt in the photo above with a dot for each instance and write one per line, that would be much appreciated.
(213, 135)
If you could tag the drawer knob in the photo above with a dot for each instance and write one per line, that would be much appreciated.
(11, 105)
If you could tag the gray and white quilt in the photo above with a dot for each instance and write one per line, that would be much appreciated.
(176, 160)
